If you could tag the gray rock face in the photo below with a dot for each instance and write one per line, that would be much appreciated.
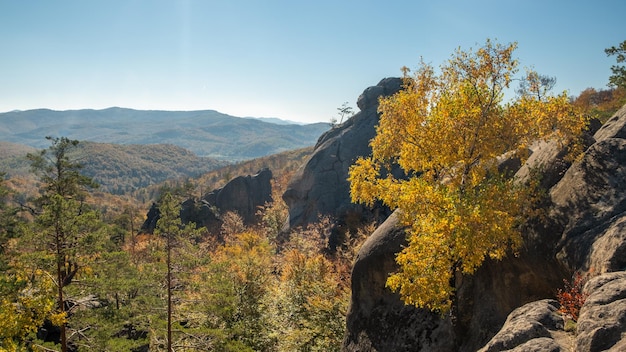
(614, 127)
(530, 328)
(320, 187)
(601, 326)
(588, 200)
(547, 157)
(378, 320)
(585, 230)
(602, 321)
(242, 195)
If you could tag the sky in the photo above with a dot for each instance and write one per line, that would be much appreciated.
(295, 60)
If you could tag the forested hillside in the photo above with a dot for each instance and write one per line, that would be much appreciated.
(119, 169)
(247, 292)
(206, 133)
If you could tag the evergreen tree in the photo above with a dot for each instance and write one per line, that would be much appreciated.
(175, 234)
(618, 78)
(65, 223)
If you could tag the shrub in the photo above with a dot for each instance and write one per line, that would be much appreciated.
(572, 298)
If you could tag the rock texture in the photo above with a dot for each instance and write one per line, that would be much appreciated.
(320, 187)
(602, 322)
(242, 195)
(601, 325)
(508, 305)
(373, 323)
(533, 327)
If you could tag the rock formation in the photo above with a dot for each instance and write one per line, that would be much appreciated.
(320, 187)
(509, 304)
(378, 320)
(242, 195)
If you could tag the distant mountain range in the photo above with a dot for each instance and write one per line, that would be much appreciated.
(206, 133)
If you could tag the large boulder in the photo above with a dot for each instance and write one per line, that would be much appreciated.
(602, 321)
(582, 228)
(320, 187)
(536, 326)
(588, 201)
(243, 195)
(378, 320)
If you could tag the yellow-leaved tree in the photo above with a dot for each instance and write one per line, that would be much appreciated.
(445, 130)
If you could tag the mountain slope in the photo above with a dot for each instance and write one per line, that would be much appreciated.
(206, 133)
(119, 169)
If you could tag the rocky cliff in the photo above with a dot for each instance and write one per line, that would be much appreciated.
(320, 187)
(243, 195)
(506, 305)
(509, 304)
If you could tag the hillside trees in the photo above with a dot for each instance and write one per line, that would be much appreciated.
(602, 103)
(255, 290)
(24, 299)
(176, 236)
(8, 221)
(445, 131)
(309, 302)
(66, 229)
(239, 278)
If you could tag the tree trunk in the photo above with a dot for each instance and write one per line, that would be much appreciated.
(169, 294)
(60, 281)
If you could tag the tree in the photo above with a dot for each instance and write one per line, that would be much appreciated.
(343, 111)
(237, 281)
(308, 304)
(66, 223)
(170, 227)
(536, 84)
(9, 221)
(445, 131)
(24, 299)
(618, 78)
(601, 104)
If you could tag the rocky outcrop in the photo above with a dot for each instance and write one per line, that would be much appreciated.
(508, 305)
(243, 195)
(601, 326)
(536, 326)
(373, 323)
(320, 187)
(602, 321)
(378, 318)
(589, 201)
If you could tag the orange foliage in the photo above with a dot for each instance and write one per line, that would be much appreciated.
(572, 297)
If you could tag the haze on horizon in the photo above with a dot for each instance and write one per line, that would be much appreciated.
(295, 61)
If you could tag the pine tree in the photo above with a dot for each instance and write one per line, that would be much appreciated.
(175, 233)
(66, 224)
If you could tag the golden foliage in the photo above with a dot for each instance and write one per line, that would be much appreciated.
(24, 308)
(445, 132)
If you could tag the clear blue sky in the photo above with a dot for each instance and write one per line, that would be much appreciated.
(292, 59)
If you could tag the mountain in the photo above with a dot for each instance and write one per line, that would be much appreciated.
(207, 133)
(275, 120)
(119, 169)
